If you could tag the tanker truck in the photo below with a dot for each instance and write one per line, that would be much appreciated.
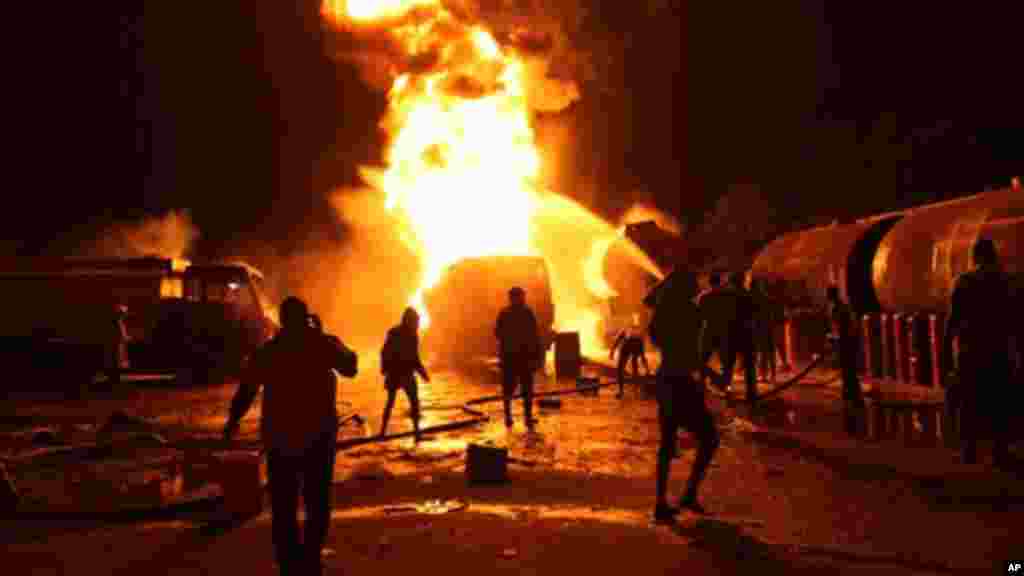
(896, 270)
(464, 305)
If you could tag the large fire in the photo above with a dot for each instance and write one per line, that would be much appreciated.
(462, 167)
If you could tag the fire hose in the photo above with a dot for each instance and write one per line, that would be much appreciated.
(792, 381)
(476, 417)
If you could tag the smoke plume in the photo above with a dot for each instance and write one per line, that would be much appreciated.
(359, 285)
(171, 235)
(536, 31)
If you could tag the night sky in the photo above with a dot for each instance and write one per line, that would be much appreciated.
(233, 111)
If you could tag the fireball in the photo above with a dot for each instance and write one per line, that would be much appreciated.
(462, 167)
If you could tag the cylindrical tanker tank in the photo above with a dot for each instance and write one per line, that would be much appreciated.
(806, 262)
(919, 259)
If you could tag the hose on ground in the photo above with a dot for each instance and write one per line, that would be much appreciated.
(792, 381)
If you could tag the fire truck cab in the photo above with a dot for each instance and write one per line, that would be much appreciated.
(196, 321)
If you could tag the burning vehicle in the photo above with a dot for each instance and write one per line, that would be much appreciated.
(196, 321)
(464, 305)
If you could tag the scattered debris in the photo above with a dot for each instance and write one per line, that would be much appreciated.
(372, 471)
(486, 464)
(739, 424)
(528, 463)
(124, 426)
(588, 386)
(435, 507)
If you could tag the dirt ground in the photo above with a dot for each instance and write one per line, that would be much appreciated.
(789, 495)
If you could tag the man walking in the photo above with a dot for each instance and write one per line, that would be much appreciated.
(298, 426)
(676, 331)
(400, 363)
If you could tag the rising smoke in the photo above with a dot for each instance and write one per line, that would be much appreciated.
(171, 235)
(536, 31)
(358, 286)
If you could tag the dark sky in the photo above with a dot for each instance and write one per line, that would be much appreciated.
(232, 110)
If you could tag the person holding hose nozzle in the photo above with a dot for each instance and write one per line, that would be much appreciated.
(844, 340)
(400, 362)
(676, 330)
(630, 346)
(298, 426)
(981, 320)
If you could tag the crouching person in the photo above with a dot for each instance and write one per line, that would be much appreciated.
(298, 427)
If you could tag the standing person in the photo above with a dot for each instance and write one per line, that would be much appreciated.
(844, 337)
(676, 331)
(776, 295)
(980, 320)
(740, 336)
(298, 426)
(630, 345)
(717, 308)
(116, 346)
(520, 352)
(764, 329)
(400, 362)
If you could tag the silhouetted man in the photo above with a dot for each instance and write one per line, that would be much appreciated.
(981, 320)
(676, 330)
(717, 307)
(766, 315)
(116, 345)
(844, 338)
(630, 346)
(400, 362)
(520, 352)
(298, 426)
(739, 338)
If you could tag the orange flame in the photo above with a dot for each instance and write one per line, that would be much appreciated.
(462, 165)
(462, 168)
(593, 267)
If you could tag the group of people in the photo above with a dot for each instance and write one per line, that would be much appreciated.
(737, 322)
(298, 426)
(299, 423)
